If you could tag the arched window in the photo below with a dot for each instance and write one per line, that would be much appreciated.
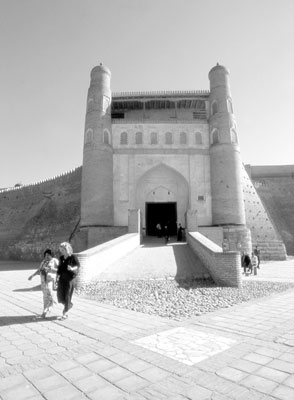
(230, 106)
(198, 138)
(124, 138)
(106, 136)
(89, 135)
(168, 138)
(139, 138)
(154, 138)
(183, 138)
(214, 108)
(215, 137)
(234, 137)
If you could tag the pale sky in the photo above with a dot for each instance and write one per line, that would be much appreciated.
(48, 48)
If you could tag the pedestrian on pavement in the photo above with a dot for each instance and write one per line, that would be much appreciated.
(47, 271)
(254, 263)
(257, 253)
(180, 233)
(246, 263)
(167, 232)
(242, 261)
(67, 273)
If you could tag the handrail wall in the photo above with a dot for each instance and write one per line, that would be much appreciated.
(224, 267)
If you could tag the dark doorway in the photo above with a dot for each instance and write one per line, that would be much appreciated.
(162, 213)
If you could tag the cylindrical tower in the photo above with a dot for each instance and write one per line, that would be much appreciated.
(97, 172)
(225, 161)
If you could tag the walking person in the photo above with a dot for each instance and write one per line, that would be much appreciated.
(47, 271)
(67, 272)
(254, 263)
(242, 261)
(247, 263)
(257, 253)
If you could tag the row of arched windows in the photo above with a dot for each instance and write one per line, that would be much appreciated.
(169, 138)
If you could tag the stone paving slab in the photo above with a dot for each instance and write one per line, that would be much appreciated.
(243, 352)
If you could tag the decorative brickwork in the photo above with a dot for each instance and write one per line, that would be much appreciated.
(165, 93)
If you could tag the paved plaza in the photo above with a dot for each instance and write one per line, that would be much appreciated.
(245, 352)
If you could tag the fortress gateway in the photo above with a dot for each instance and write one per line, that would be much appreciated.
(174, 156)
(149, 158)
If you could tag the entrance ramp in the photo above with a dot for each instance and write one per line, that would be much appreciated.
(156, 260)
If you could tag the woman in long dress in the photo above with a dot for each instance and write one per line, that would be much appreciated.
(47, 271)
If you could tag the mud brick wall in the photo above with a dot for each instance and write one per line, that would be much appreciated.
(263, 221)
(38, 216)
(43, 214)
(275, 188)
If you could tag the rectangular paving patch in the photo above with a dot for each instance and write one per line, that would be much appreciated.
(185, 345)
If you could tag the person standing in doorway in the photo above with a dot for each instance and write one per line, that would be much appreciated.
(180, 233)
(158, 229)
(167, 232)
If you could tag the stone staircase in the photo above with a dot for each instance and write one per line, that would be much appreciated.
(156, 260)
(272, 249)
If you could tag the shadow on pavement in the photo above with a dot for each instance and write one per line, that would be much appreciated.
(30, 289)
(24, 319)
(153, 241)
(190, 271)
(18, 265)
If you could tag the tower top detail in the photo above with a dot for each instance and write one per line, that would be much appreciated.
(100, 69)
(219, 68)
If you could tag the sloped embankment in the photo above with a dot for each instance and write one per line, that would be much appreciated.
(38, 216)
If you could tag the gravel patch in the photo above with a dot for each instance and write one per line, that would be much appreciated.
(177, 299)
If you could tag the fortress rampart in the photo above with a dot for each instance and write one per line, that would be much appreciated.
(45, 213)
(172, 155)
(275, 187)
(260, 221)
(269, 171)
(39, 215)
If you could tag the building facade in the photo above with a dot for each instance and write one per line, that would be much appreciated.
(172, 155)
(164, 156)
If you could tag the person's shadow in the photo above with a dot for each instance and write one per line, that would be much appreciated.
(24, 319)
(29, 289)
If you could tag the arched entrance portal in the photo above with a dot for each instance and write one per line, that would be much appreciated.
(162, 195)
(163, 213)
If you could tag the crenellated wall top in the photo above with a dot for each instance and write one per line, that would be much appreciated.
(269, 171)
(173, 93)
(34, 184)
